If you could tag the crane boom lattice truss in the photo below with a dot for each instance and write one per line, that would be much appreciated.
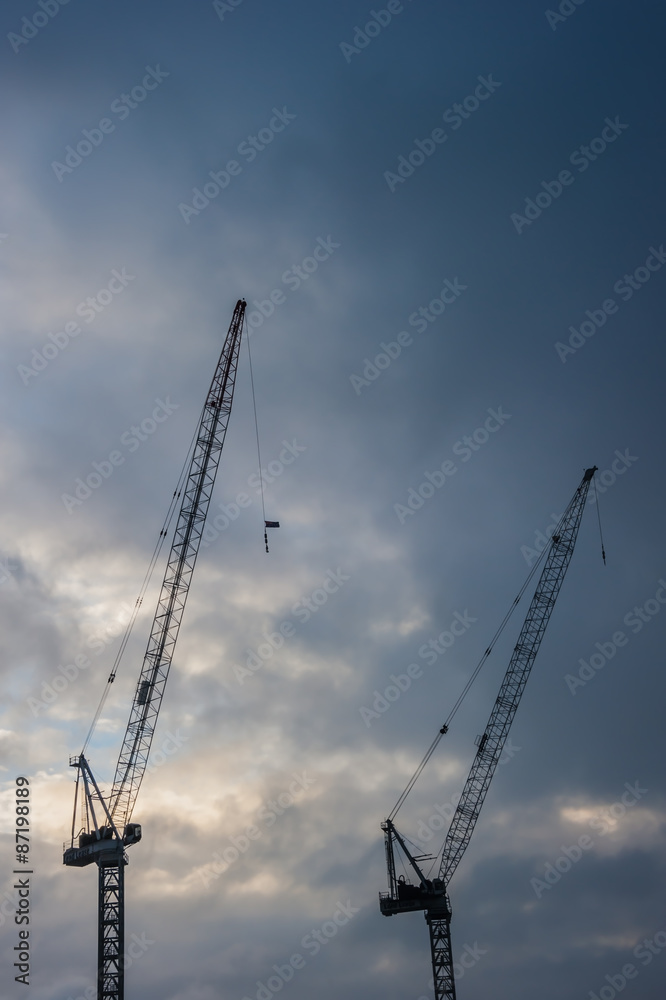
(105, 843)
(178, 577)
(513, 685)
(431, 896)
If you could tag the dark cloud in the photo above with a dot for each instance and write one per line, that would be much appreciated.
(373, 382)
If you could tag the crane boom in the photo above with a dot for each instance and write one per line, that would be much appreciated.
(104, 842)
(177, 579)
(432, 895)
(516, 676)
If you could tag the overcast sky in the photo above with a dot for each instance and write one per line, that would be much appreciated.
(448, 222)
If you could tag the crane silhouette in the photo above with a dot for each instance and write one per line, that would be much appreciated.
(431, 895)
(107, 828)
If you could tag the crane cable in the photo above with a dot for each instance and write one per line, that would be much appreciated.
(435, 743)
(256, 430)
(601, 535)
(162, 536)
(144, 586)
(603, 554)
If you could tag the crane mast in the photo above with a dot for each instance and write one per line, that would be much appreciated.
(431, 895)
(109, 830)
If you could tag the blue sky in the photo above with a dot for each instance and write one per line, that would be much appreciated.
(536, 208)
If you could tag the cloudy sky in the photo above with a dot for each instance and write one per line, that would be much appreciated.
(448, 222)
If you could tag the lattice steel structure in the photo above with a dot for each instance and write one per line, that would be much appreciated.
(438, 919)
(431, 895)
(111, 931)
(175, 588)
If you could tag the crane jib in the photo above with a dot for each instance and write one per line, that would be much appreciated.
(175, 587)
(513, 684)
(431, 895)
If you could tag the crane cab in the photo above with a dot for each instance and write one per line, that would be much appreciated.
(132, 834)
(408, 897)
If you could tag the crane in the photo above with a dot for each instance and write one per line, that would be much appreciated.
(108, 829)
(431, 895)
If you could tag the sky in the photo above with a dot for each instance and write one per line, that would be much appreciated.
(448, 222)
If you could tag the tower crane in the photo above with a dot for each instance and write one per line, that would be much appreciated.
(431, 895)
(108, 829)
